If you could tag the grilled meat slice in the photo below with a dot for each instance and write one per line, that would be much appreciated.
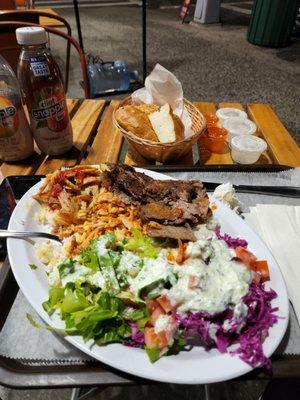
(160, 211)
(172, 232)
(169, 202)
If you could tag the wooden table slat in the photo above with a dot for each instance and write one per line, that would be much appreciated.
(73, 105)
(206, 157)
(134, 158)
(24, 167)
(283, 147)
(48, 21)
(107, 144)
(84, 123)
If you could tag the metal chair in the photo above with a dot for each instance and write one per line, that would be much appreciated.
(12, 25)
(9, 47)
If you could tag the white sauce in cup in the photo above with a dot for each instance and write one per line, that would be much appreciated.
(247, 149)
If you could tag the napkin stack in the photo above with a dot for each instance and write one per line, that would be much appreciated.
(279, 227)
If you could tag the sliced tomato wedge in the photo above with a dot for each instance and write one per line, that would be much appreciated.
(245, 256)
(261, 268)
(165, 303)
(156, 314)
(151, 305)
(163, 340)
(151, 338)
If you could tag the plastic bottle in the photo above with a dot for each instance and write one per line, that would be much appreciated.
(122, 75)
(93, 77)
(16, 141)
(42, 87)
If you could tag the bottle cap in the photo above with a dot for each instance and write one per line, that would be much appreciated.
(31, 35)
(119, 63)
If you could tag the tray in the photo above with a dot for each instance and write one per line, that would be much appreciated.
(96, 140)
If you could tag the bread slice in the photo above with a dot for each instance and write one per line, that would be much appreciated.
(135, 120)
(167, 126)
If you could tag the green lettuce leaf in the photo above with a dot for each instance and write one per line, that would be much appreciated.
(141, 245)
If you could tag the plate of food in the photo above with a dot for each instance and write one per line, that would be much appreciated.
(153, 277)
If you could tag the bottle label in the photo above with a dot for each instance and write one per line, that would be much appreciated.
(9, 121)
(39, 66)
(15, 137)
(50, 120)
(51, 113)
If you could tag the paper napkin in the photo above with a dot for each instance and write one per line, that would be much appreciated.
(279, 227)
(162, 87)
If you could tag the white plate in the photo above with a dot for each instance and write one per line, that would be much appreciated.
(195, 367)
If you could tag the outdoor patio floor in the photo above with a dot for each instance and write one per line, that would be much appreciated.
(213, 62)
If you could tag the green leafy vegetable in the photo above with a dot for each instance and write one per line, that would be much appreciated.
(90, 259)
(32, 266)
(141, 245)
(153, 354)
(55, 296)
(32, 321)
(67, 267)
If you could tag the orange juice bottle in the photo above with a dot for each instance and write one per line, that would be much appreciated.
(16, 141)
(42, 87)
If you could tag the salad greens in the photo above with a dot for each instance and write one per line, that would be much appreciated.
(125, 290)
(102, 309)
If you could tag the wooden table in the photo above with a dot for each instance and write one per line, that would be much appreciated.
(96, 140)
(49, 21)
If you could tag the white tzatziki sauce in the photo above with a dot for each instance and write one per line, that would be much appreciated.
(209, 287)
(154, 270)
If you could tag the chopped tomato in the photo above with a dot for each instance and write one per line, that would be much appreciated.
(156, 314)
(151, 338)
(163, 340)
(193, 281)
(261, 268)
(165, 303)
(245, 256)
(151, 305)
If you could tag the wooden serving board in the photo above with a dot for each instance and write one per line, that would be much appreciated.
(96, 140)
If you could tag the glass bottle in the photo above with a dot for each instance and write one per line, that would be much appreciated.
(43, 91)
(16, 141)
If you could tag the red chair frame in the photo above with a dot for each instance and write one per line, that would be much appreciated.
(70, 39)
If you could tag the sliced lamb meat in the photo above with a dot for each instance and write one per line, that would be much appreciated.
(195, 212)
(170, 202)
(172, 232)
(160, 211)
(124, 179)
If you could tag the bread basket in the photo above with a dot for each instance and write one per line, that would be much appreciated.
(165, 152)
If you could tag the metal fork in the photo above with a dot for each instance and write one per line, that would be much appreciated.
(26, 234)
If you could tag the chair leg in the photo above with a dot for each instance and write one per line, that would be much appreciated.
(67, 66)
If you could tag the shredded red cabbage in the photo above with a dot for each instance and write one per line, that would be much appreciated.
(137, 337)
(232, 242)
(248, 331)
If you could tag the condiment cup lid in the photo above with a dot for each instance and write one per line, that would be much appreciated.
(239, 126)
(31, 35)
(248, 143)
(225, 113)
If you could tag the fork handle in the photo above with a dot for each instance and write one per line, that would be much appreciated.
(24, 235)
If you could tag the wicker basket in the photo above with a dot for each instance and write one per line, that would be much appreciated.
(165, 152)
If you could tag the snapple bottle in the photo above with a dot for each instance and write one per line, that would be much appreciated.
(42, 88)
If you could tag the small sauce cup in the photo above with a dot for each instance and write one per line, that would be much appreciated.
(238, 126)
(247, 149)
(215, 139)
